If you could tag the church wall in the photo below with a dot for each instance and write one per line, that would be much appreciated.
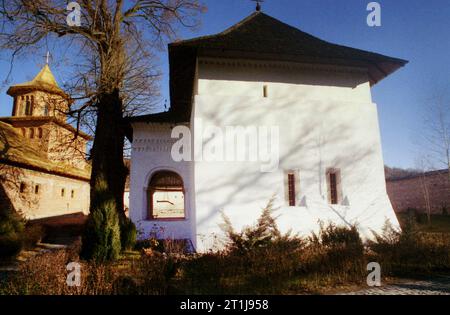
(48, 200)
(151, 152)
(325, 121)
(296, 81)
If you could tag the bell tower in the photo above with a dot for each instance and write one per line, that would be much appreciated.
(39, 114)
(40, 97)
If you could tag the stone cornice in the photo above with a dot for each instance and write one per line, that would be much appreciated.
(259, 64)
(153, 144)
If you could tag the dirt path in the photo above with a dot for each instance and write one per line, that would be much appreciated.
(436, 286)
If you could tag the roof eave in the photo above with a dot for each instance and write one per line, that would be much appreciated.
(378, 69)
(22, 89)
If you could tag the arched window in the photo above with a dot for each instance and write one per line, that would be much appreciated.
(31, 133)
(166, 197)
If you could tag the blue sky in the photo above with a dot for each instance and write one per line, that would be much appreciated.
(415, 30)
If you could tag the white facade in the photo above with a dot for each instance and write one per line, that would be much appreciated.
(150, 154)
(326, 120)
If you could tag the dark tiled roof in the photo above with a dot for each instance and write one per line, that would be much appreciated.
(259, 37)
(264, 34)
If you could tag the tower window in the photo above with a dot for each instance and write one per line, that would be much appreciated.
(31, 133)
(40, 133)
(36, 189)
(72, 194)
(266, 91)
(32, 105)
(46, 110)
(24, 132)
(28, 106)
(63, 192)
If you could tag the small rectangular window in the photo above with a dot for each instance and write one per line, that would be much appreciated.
(334, 186)
(62, 192)
(333, 189)
(23, 187)
(291, 188)
(36, 189)
(72, 194)
(265, 91)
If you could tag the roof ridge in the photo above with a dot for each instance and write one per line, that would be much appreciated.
(225, 32)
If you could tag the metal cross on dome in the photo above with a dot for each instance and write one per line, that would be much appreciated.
(258, 4)
(47, 57)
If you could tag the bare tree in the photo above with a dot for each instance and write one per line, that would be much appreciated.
(422, 165)
(436, 134)
(113, 47)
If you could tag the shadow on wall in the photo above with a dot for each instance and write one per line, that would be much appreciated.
(6, 205)
(312, 135)
(283, 73)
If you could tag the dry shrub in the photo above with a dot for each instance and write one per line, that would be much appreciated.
(337, 251)
(10, 246)
(150, 275)
(33, 234)
(44, 274)
(12, 225)
(175, 247)
(410, 252)
(203, 274)
(257, 260)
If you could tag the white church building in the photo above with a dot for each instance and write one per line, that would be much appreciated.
(300, 107)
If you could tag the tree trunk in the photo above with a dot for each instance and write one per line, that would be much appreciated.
(108, 169)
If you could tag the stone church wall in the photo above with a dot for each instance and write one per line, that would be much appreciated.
(39, 195)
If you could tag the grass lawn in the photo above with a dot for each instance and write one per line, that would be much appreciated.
(439, 223)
